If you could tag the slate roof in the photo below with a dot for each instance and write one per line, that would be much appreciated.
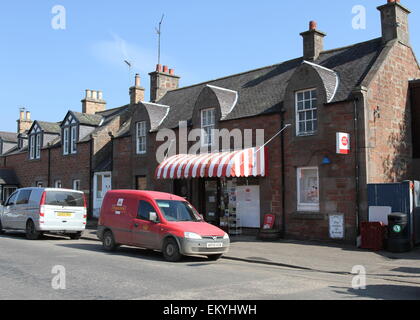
(9, 136)
(8, 177)
(88, 119)
(50, 127)
(262, 90)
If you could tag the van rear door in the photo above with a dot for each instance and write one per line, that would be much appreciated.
(63, 210)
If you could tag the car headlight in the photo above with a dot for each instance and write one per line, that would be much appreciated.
(192, 235)
(226, 236)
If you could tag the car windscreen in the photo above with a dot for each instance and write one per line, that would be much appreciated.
(64, 199)
(178, 211)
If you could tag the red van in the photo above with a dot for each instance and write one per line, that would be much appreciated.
(158, 221)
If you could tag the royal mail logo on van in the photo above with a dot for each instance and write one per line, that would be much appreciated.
(119, 207)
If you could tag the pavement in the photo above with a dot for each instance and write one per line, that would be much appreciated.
(320, 257)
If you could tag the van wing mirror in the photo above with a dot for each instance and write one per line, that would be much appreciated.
(153, 217)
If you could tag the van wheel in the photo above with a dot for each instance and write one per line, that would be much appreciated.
(214, 257)
(171, 250)
(108, 241)
(75, 236)
(1, 228)
(31, 233)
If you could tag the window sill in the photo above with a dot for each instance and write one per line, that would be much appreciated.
(308, 215)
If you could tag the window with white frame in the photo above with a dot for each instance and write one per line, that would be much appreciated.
(66, 141)
(73, 139)
(208, 121)
(308, 189)
(76, 184)
(38, 146)
(32, 147)
(306, 112)
(57, 184)
(141, 131)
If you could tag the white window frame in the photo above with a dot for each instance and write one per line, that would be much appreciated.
(303, 111)
(208, 124)
(66, 141)
(73, 139)
(58, 184)
(38, 146)
(141, 137)
(307, 207)
(32, 147)
(76, 184)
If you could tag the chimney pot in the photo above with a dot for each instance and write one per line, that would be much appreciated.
(313, 25)
(137, 80)
(171, 72)
(159, 68)
(28, 116)
(165, 69)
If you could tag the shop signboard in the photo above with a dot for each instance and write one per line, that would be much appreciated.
(343, 143)
(336, 226)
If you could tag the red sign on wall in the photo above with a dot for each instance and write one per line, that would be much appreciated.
(343, 143)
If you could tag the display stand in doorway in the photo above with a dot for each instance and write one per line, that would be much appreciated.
(235, 227)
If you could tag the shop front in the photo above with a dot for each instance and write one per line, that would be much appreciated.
(224, 187)
(8, 183)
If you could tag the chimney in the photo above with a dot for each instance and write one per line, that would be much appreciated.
(313, 42)
(136, 92)
(93, 102)
(161, 81)
(394, 20)
(24, 123)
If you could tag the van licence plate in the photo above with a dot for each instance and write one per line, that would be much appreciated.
(64, 214)
(214, 245)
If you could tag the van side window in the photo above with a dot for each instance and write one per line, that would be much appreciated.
(144, 210)
(23, 197)
(12, 199)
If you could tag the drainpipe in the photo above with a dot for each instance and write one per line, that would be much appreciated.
(49, 166)
(90, 177)
(357, 166)
(283, 179)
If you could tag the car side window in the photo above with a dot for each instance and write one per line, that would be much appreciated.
(12, 199)
(144, 210)
(23, 197)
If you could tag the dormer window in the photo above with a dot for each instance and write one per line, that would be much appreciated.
(141, 135)
(306, 112)
(208, 122)
(35, 143)
(69, 140)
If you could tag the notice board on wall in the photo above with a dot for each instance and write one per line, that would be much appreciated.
(248, 206)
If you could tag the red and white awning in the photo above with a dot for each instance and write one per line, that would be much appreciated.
(243, 163)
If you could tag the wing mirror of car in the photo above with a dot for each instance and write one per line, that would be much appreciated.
(153, 217)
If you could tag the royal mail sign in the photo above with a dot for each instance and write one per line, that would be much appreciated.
(343, 143)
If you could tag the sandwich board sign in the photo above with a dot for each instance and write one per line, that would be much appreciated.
(343, 143)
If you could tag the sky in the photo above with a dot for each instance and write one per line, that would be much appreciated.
(47, 69)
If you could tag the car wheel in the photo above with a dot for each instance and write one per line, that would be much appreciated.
(108, 241)
(214, 257)
(1, 228)
(171, 250)
(75, 236)
(31, 233)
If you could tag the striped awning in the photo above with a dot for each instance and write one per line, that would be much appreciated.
(243, 163)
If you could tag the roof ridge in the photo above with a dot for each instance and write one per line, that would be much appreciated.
(350, 46)
(235, 75)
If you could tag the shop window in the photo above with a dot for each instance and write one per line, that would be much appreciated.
(141, 137)
(208, 121)
(308, 189)
(141, 183)
(306, 112)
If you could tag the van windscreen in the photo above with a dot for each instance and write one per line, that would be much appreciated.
(64, 199)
